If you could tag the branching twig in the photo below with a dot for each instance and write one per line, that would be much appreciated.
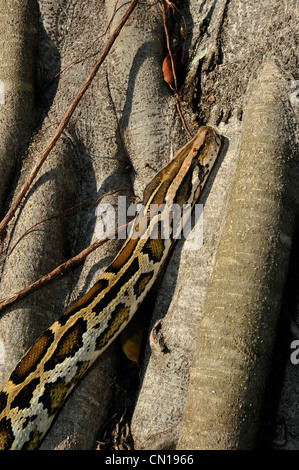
(89, 47)
(175, 8)
(58, 271)
(61, 214)
(176, 93)
(168, 46)
(64, 121)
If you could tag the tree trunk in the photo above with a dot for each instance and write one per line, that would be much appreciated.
(123, 131)
(235, 340)
(17, 107)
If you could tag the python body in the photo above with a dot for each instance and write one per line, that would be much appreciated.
(44, 377)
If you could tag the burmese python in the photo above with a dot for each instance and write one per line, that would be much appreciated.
(44, 377)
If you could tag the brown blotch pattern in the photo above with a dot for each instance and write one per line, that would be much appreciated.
(54, 395)
(154, 247)
(99, 286)
(33, 441)
(123, 256)
(166, 175)
(118, 319)
(68, 344)
(6, 434)
(3, 400)
(113, 292)
(32, 358)
(142, 282)
(185, 189)
(23, 398)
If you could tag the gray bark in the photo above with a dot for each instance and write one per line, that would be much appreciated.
(17, 107)
(235, 338)
(124, 130)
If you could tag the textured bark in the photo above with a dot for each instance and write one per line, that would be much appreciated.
(123, 131)
(234, 27)
(18, 23)
(236, 336)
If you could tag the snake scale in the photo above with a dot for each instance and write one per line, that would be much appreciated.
(44, 377)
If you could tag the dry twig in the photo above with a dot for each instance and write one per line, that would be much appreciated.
(176, 93)
(58, 271)
(75, 61)
(61, 214)
(64, 121)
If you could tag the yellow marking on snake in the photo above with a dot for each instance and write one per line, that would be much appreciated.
(44, 377)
